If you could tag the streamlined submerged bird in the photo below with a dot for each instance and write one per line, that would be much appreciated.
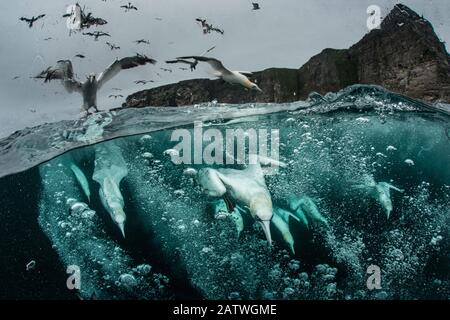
(233, 77)
(89, 88)
(247, 188)
(110, 169)
(380, 191)
(31, 20)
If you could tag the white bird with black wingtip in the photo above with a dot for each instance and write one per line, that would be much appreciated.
(94, 82)
(233, 77)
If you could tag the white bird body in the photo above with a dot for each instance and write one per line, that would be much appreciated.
(380, 192)
(233, 77)
(88, 89)
(110, 169)
(246, 187)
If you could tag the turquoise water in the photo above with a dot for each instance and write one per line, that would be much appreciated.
(175, 248)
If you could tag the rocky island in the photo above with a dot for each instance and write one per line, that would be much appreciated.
(404, 55)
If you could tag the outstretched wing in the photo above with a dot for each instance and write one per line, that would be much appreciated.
(246, 73)
(72, 85)
(180, 61)
(214, 63)
(124, 63)
(66, 67)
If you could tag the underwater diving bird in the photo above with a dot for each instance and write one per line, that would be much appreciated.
(280, 221)
(31, 20)
(81, 56)
(233, 77)
(304, 210)
(380, 192)
(110, 169)
(246, 188)
(89, 88)
(256, 6)
(222, 211)
(82, 180)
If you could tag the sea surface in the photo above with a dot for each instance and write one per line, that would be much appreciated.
(338, 149)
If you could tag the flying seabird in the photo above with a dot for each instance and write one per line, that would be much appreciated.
(128, 7)
(112, 46)
(233, 77)
(115, 96)
(256, 6)
(59, 71)
(86, 20)
(89, 88)
(143, 81)
(31, 20)
(97, 34)
(192, 64)
(207, 28)
(142, 41)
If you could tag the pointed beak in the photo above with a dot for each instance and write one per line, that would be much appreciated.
(122, 228)
(265, 224)
(258, 89)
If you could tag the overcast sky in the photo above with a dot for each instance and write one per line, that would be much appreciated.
(284, 33)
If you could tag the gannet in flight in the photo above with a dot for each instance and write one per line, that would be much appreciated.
(233, 77)
(31, 20)
(89, 88)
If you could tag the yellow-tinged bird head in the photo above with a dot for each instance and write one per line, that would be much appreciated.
(252, 86)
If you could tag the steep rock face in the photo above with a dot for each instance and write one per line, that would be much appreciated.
(404, 56)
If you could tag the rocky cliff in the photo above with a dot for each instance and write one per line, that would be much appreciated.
(404, 55)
